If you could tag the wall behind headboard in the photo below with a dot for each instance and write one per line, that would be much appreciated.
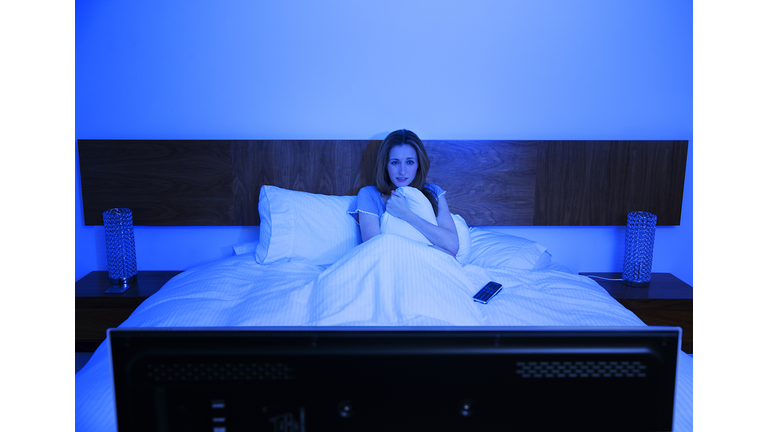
(492, 70)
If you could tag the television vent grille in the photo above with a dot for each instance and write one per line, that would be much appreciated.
(163, 372)
(581, 369)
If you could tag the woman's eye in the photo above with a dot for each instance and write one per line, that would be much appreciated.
(410, 162)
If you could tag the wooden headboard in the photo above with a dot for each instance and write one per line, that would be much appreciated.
(506, 183)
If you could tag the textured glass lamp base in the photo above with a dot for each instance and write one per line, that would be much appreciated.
(121, 248)
(636, 284)
(638, 249)
(120, 285)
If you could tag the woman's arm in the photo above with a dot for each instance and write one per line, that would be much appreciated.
(442, 235)
(369, 226)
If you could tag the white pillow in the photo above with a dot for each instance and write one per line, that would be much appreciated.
(465, 239)
(419, 204)
(495, 249)
(245, 248)
(304, 226)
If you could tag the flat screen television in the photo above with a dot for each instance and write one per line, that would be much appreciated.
(394, 379)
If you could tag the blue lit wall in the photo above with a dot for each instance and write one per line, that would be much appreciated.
(557, 69)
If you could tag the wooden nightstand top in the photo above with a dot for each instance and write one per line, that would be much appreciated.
(147, 283)
(663, 286)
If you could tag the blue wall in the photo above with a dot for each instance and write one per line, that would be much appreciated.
(346, 69)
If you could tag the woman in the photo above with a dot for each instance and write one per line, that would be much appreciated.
(402, 161)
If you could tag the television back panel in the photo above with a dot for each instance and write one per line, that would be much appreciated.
(364, 379)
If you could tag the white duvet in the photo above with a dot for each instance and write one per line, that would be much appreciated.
(387, 281)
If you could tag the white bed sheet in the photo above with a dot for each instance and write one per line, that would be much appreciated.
(370, 286)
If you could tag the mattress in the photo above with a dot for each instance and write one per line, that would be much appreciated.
(387, 281)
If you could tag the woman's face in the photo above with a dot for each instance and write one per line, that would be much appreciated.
(403, 165)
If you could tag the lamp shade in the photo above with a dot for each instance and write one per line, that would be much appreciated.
(121, 248)
(638, 248)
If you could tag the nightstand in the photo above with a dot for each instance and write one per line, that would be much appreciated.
(668, 301)
(96, 311)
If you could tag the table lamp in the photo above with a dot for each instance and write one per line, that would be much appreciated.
(121, 248)
(638, 249)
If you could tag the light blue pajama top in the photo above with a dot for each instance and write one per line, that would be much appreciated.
(369, 201)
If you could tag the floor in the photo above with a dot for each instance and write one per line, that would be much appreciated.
(81, 359)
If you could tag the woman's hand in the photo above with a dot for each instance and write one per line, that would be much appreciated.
(443, 235)
(397, 205)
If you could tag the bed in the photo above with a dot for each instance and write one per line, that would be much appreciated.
(309, 268)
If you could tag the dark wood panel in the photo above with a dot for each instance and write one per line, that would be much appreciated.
(86, 346)
(329, 167)
(505, 183)
(664, 286)
(658, 304)
(91, 324)
(487, 182)
(599, 182)
(90, 288)
(163, 182)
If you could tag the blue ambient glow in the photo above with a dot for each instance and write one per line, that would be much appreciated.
(346, 69)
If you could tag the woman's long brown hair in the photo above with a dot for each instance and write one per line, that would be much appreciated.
(381, 175)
